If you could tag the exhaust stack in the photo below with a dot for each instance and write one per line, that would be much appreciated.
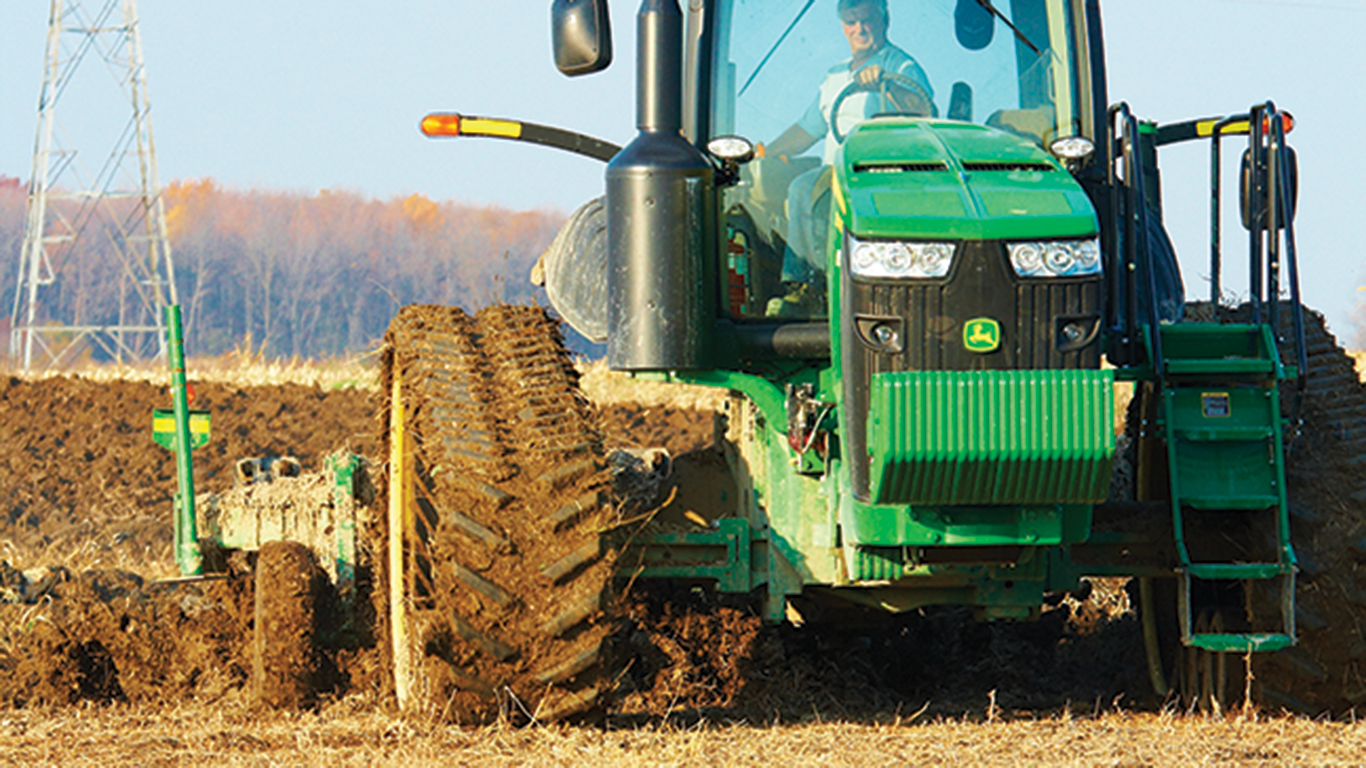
(660, 218)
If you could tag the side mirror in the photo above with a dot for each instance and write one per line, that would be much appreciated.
(973, 24)
(1259, 219)
(581, 32)
(960, 102)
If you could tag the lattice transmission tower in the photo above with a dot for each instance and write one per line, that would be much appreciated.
(95, 269)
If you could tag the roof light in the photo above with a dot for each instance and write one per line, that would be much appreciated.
(1072, 148)
(734, 149)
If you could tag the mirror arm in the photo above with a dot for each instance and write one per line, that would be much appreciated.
(516, 130)
(1018, 34)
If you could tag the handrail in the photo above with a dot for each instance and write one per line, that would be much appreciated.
(1271, 215)
(1216, 210)
(1130, 210)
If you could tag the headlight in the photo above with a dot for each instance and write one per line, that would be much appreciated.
(1059, 258)
(892, 259)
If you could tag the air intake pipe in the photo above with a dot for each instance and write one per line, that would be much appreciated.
(660, 218)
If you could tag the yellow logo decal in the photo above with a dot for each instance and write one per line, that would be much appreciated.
(982, 335)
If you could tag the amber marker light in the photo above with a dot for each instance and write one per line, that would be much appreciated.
(1287, 122)
(441, 125)
(1240, 128)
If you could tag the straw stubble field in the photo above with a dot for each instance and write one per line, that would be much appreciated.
(86, 492)
(201, 735)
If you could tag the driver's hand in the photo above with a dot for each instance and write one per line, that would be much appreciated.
(869, 74)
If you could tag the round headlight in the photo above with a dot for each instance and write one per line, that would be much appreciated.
(1027, 258)
(865, 257)
(1057, 257)
(897, 258)
(1088, 255)
(935, 258)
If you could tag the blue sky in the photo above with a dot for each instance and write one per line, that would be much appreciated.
(306, 95)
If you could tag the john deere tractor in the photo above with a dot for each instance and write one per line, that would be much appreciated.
(919, 287)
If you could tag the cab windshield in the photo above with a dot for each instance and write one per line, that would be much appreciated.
(790, 75)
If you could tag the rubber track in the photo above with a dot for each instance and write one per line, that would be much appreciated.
(507, 599)
(1326, 488)
(1326, 484)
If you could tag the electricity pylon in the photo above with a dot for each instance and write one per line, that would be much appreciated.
(88, 231)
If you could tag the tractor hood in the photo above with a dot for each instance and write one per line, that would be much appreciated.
(943, 180)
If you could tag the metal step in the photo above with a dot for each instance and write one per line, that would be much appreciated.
(1223, 434)
(1237, 643)
(1227, 366)
(1251, 502)
(1235, 571)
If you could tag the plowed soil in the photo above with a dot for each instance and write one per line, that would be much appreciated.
(86, 506)
(81, 479)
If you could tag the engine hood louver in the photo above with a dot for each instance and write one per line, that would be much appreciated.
(899, 167)
(1007, 167)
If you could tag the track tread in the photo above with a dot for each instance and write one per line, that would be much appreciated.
(1326, 478)
(495, 410)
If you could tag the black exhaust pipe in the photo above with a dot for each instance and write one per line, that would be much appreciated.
(660, 218)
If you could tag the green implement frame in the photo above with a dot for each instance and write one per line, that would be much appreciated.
(181, 430)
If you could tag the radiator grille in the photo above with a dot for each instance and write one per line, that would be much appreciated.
(991, 437)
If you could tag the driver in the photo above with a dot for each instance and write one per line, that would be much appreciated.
(865, 25)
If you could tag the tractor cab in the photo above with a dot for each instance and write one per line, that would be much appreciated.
(947, 83)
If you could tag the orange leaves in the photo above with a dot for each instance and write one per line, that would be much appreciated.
(308, 274)
(321, 274)
(424, 216)
(184, 199)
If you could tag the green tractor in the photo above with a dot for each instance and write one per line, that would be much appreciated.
(919, 250)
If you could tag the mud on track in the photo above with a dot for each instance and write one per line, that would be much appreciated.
(502, 484)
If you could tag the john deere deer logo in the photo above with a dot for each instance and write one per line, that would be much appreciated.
(982, 335)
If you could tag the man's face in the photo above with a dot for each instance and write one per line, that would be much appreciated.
(865, 27)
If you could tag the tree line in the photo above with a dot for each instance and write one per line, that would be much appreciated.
(296, 274)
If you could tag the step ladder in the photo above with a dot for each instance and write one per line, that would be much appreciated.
(1220, 415)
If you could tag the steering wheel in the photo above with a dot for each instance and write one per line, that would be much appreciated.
(920, 104)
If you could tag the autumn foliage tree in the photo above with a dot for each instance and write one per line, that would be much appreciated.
(314, 275)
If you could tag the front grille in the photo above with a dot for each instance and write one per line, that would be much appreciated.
(931, 315)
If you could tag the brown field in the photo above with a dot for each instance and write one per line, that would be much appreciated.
(347, 736)
(82, 487)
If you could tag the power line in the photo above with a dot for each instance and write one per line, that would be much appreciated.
(1341, 5)
(105, 226)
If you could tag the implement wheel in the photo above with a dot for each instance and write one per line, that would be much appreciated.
(285, 656)
(497, 568)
